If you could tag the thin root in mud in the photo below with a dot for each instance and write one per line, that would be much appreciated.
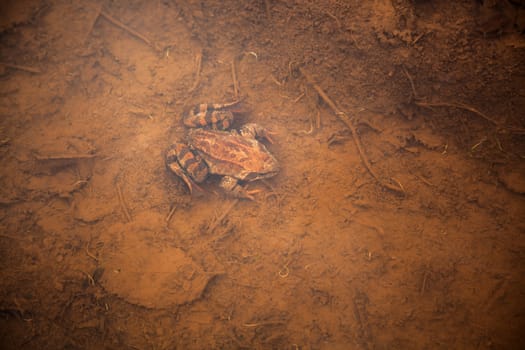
(419, 101)
(88, 253)
(345, 119)
(235, 81)
(170, 214)
(20, 67)
(221, 217)
(460, 106)
(198, 68)
(116, 22)
(123, 203)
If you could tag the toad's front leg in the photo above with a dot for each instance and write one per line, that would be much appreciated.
(232, 187)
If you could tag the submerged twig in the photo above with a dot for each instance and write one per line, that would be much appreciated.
(22, 68)
(361, 315)
(417, 38)
(88, 253)
(170, 214)
(64, 157)
(345, 119)
(123, 203)
(414, 93)
(93, 22)
(423, 287)
(217, 221)
(334, 17)
(89, 277)
(128, 29)
(261, 324)
(419, 102)
(198, 64)
(425, 181)
(235, 82)
(298, 98)
(458, 105)
(318, 120)
(309, 131)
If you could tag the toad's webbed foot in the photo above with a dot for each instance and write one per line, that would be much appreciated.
(232, 187)
(254, 130)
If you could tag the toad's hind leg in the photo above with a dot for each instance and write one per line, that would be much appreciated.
(185, 164)
(205, 116)
(232, 187)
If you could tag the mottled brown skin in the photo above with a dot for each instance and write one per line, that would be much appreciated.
(185, 163)
(232, 155)
(215, 116)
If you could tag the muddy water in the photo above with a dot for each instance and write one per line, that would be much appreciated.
(395, 221)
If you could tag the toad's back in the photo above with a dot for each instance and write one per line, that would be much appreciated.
(234, 155)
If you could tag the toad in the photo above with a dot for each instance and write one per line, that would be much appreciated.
(212, 148)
